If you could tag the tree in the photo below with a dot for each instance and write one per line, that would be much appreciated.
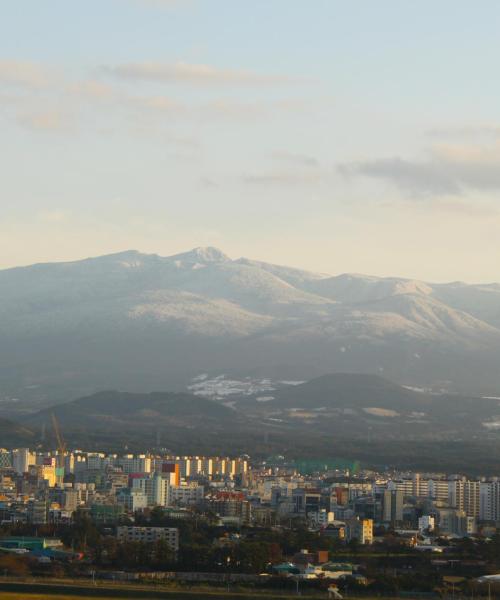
(254, 557)
(163, 555)
(83, 532)
(11, 564)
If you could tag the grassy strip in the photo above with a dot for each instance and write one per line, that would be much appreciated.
(46, 591)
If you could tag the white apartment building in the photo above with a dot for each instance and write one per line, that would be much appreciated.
(22, 458)
(489, 501)
(439, 489)
(426, 523)
(132, 499)
(134, 464)
(186, 495)
(414, 486)
(149, 535)
(155, 487)
(464, 495)
(322, 517)
(207, 466)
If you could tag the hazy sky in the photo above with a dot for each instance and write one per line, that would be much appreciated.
(354, 135)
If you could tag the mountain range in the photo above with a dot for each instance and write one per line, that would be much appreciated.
(142, 322)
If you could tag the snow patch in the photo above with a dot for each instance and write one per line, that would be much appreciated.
(381, 412)
(220, 387)
(419, 390)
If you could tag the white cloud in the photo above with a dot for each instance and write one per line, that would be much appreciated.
(466, 132)
(160, 3)
(181, 72)
(40, 98)
(208, 182)
(92, 90)
(281, 178)
(24, 74)
(417, 177)
(446, 170)
(157, 103)
(53, 216)
(46, 120)
(300, 160)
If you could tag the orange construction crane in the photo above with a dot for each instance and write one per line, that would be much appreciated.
(61, 444)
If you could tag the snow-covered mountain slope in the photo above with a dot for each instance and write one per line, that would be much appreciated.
(481, 301)
(172, 317)
(355, 289)
(297, 277)
(196, 315)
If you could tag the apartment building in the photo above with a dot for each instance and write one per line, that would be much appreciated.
(149, 535)
(464, 495)
(489, 501)
(186, 495)
(155, 487)
(359, 529)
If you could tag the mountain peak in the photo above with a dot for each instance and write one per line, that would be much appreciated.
(202, 254)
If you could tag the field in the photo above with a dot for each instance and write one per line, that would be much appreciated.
(28, 595)
(24, 596)
(59, 591)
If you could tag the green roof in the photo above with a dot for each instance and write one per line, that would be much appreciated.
(331, 566)
(27, 542)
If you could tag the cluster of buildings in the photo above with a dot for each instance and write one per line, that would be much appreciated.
(316, 565)
(350, 507)
(48, 487)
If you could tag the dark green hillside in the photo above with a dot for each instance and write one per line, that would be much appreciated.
(112, 409)
(350, 390)
(12, 434)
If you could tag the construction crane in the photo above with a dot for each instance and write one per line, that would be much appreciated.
(61, 444)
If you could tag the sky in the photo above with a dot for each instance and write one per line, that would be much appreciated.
(336, 136)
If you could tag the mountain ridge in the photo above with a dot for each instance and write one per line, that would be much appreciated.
(142, 321)
(112, 409)
(214, 254)
(342, 407)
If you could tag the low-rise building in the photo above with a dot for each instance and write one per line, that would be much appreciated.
(149, 535)
(359, 529)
